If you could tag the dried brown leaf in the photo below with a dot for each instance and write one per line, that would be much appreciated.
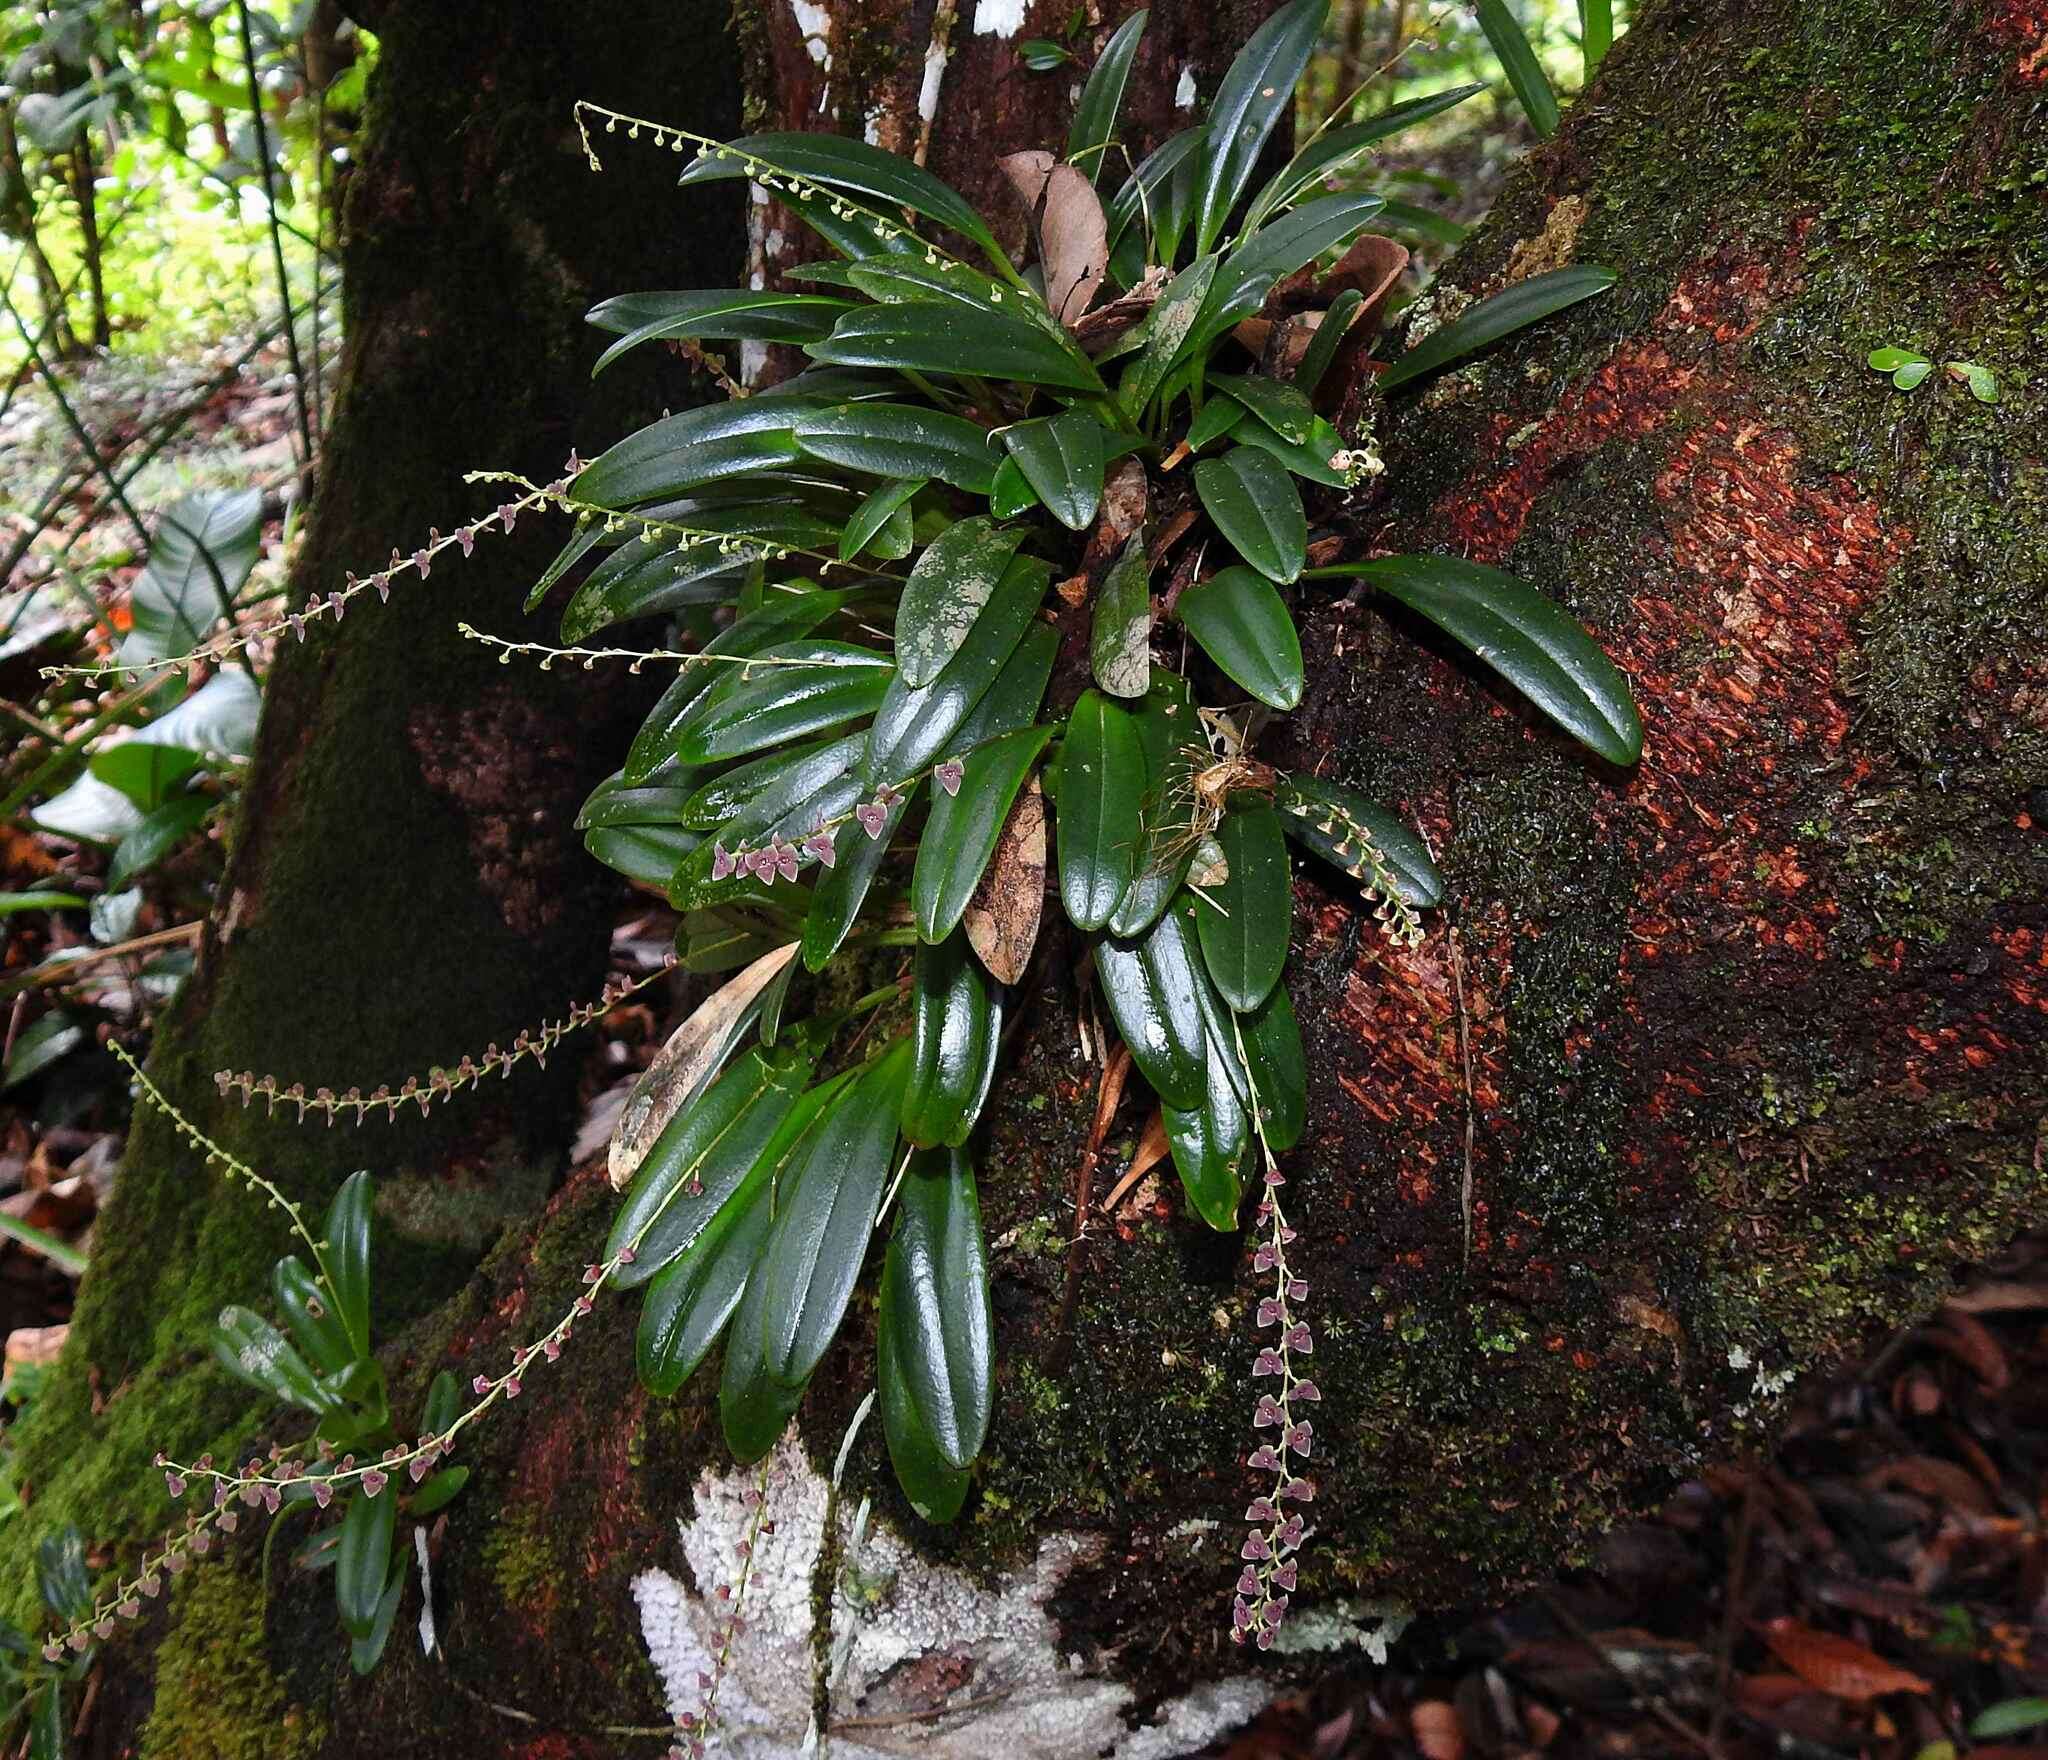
(682, 1066)
(1975, 1346)
(1002, 917)
(1436, 1729)
(1837, 1666)
(1073, 234)
(1096, 330)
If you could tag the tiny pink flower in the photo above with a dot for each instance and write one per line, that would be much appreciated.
(1306, 1390)
(176, 1482)
(512, 1390)
(1299, 1338)
(949, 775)
(1272, 1310)
(722, 862)
(374, 1482)
(820, 844)
(1262, 1509)
(784, 857)
(481, 1385)
(1299, 1439)
(1269, 1363)
(1263, 1459)
(872, 816)
(323, 1493)
(1255, 1547)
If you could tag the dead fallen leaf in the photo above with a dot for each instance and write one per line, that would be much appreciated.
(694, 1052)
(1837, 1666)
(1153, 1148)
(1096, 330)
(1002, 917)
(1073, 234)
(33, 1347)
(1123, 507)
(1972, 1344)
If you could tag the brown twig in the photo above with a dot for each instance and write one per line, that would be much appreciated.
(1108, 1092)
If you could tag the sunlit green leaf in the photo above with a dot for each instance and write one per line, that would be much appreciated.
(1487, 322)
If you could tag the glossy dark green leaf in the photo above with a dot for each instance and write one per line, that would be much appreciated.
(1011, 493)
(724, 314)
(1314, 459)
(1277, 250)
(837, 162)
(936, 1303)
(1518, 61)
(1120, 635)
(753, 1406)
(1095, 111)
(1013, 701)
(1220, 416)
(1243, 625)
(931, 338)
(825, 1217)
(935, 1489)
(682, 452)
(700, 1159)
(63, 1579)
(1157, 1010)
(1167, 729)
(1283, 408)
(913, 726)
(1596, 32)
(1257, 508)
(646, 854)
(1102, 787)
(1321, 352)
(758, 792)
(613, 802)
(961, 833)
(915, 280)
(1244, 939)
(843, 887)
(784, 617)
(1279, 1071)
(786, 692)
(48, 1726)
(365, 1652)
(1061, 458)
(1331, 149)
(899, 440)
(443, 1403)
(1504, 313)
(652, 577)
(1337, 823)
(956, 1023)
(363, 1567)
(873, 515)
(689, 1302)
(308, 1311)
(1209, 1142)
(1255, 94)
(437, 1491)
(952, 581)
(345, 1237)
(1146, 196)
(1536, 645)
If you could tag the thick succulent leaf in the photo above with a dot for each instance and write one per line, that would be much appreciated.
(937, 1303)
(1537, 646)
(1491, 319)
(719, 314)
(1011, 492)
(783, 618)
(915, 280)
(1243, 625)
(1166, 727)
(873, 514)
(1276, 250)
(1209, 1142)
(646, 854)
(683, 452)
(786, 692)
(1278, 1068)
(1244, 938)
(951, 582)
(931, 338)
(1334, 147)
(753, 1406)
(751, 796)
(1013, 701)
(1256, 506)
(961, 833)
(1255, 94)
(701, 1156)
(651, 577)
(1061, 457)
(1156, 1006)
(914, 725)
(1220, 416)
(935, 1489)
(1335, 822)
(1095, 112)
(1314, 459)
(956, 1021)
(1120, 637)
(837, 162)
(363, 1565)
(1518, 61)
(1102, 787)
(825, 1215)
(899, 440)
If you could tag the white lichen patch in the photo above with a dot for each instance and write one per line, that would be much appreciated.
(909, 1638)
(1371, 1626)
(1184, 92)
(814, 23)
(1000, 18)
(934, 77)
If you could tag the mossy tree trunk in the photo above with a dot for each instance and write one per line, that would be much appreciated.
(1754, 1035)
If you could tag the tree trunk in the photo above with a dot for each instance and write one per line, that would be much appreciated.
(1753, 1035)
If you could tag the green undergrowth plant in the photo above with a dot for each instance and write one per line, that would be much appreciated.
(994, 601)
